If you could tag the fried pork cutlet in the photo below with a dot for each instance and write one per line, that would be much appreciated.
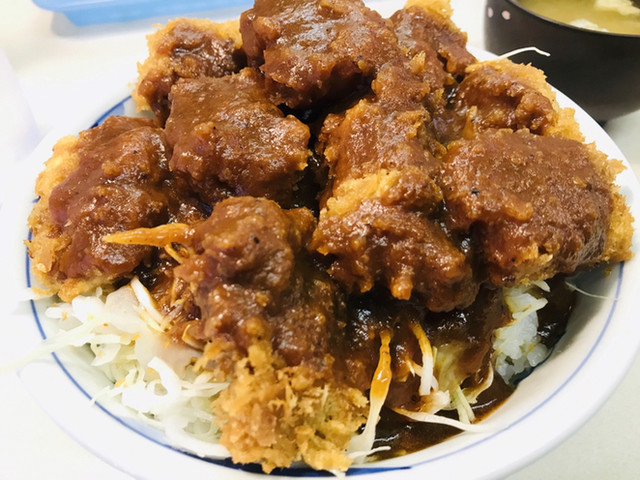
(312, 50)
(186, 48)
(108, 179)
(272, 322)
(379, 217)
(228, 139)
(421, 29)
(441, 179)
(563, 215)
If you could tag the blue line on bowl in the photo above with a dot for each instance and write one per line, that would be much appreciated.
(117, 109)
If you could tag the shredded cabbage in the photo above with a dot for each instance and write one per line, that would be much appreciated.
(516, 348)
(427, 380)
(524, 49)
(150, 375)
(363, 442)
(442, 420)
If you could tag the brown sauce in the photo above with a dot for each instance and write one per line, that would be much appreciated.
(404, 436)
(553, 318)
(407, 437)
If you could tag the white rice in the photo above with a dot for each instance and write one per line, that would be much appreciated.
(517, 346)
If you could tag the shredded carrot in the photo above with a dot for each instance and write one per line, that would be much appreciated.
(157, 237)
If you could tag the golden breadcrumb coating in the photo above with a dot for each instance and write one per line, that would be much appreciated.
(165, 65)
(441, 7)
(47, 243)
(561, 122)
(278, 415)
(618, 245)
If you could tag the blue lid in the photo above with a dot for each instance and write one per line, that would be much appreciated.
(88, 12)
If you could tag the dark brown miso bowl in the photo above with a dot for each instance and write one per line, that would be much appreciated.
(599, 71)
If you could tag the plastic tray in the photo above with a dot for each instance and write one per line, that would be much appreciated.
(90, 12)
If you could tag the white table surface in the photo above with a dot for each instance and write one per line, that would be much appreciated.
(59, 67)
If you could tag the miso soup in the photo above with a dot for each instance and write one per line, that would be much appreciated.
(616, 16)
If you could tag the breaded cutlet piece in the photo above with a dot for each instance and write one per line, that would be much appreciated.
(107, 179)
(185, 48)
(502, 94)
(536, 205)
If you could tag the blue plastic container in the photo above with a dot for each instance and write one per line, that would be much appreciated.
(90, 12)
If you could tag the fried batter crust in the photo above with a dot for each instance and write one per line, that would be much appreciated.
(185, 48)
(273, 322)
(555, 219)
(108, 179)
(276, 415)
(502, 94)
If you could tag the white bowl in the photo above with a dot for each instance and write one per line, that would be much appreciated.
(560, 395)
